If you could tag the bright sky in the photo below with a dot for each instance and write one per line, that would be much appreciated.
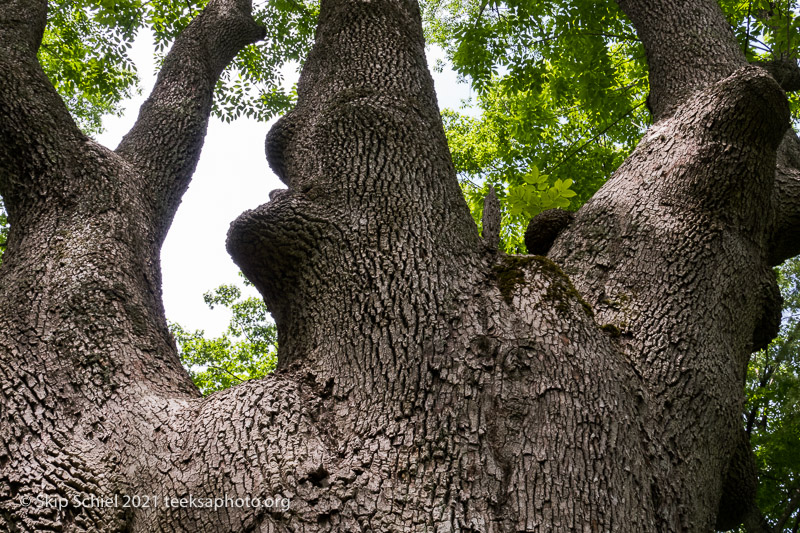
(232, 176)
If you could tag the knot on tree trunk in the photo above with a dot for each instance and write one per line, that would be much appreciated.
(544, 228)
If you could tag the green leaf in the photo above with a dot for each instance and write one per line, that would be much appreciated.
(247, 350)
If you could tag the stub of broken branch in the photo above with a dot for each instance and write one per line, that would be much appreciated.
(491, 220)
(785, 71)
(544, 228)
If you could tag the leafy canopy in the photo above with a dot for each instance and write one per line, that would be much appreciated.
(560, 88)
(85, 53)
(247, 350)
(772, 414)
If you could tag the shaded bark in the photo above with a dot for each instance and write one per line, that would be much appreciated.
(426, 382)
(785, 237)
(88, 370)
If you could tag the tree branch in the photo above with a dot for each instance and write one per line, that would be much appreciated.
(671, 234)
(36, 130)
(22, 24)
(791, 507)
(689, 45)
(785, 241)
(164, 144)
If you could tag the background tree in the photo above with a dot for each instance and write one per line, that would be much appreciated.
(247, 350)
(772, 414)
(424, 381)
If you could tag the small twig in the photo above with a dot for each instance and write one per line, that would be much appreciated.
(467, 180)
(791, 507)
(480, 10)
(591, 34)
(762, 43)
(225, 370)
(601, 133)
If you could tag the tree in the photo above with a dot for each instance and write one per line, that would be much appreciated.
(425, 381)
(84, 52)
(772, 417)
(247, 350)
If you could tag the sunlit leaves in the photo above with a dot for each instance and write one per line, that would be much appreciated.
(247, 350)
(85, 53)
(252, 85)
(535, 195)
(560, 87)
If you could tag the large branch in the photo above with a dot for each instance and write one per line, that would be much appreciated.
(672, 252)
(367, 166)
(86, 360)
(164, 145)
(689, 45)
(22, 25)
(36, 130)
(785, 241)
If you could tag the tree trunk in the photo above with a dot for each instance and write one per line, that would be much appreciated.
(426, 382)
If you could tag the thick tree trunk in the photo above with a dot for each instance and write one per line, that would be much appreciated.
(426, 382)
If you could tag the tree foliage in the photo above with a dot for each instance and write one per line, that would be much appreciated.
(772, 415)
(552, 80)
(557, 80)
(85, 53)
(247, 350)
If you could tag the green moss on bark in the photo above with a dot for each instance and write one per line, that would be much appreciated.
(611, 329)
(509, 273)
(561, 289)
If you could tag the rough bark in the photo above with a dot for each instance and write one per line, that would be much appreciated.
(425, 382)
(699, 150)
(689, 45)
(785, 237)
(491, 220)
(88, 370)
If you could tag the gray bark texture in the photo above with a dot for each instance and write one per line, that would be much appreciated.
(426, 382)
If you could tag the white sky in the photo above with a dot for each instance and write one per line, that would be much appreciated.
(232, 176)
